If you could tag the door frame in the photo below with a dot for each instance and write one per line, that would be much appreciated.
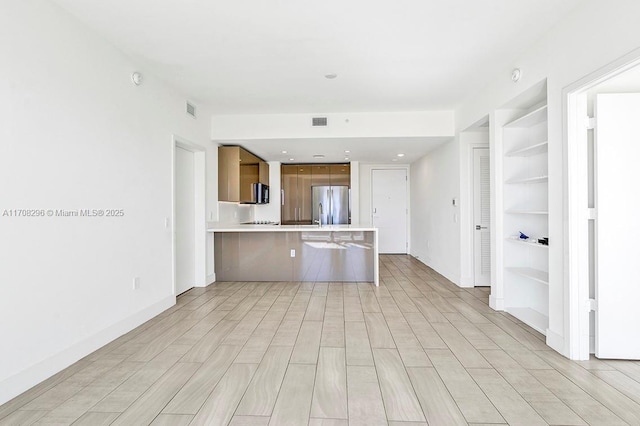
(200, 230)
(407, 170)
(575, 229)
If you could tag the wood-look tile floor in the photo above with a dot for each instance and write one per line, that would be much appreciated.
(417, 350)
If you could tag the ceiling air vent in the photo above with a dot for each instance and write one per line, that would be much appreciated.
(319, 121)
(191, 110)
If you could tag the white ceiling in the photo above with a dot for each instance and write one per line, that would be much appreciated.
(367, 150)
(257, 56)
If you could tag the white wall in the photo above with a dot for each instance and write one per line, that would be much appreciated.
(594, 35)
(435, 222)
(355, 192)
(271, 211)
(77, 134)
(292, 126)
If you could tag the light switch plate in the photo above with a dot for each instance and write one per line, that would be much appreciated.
(293, 252)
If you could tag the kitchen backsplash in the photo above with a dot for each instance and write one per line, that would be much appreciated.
(235, 213)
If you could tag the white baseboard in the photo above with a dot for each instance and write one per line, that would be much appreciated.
(26, 379)
(496, 303)
(555, 341)
(211, 278)
(466, 282)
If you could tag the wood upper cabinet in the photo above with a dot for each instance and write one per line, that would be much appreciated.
(340, 175)
(289, 202)
(238, 169)
(304, 194)
(263, 172)
(320, 175)
(296, 194)
(229, 173)
(297, 183)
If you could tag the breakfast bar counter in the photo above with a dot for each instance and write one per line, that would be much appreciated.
(331, 253)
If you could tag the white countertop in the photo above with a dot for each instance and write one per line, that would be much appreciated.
(237, 227)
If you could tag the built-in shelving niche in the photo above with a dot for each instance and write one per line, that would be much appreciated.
(526, 209)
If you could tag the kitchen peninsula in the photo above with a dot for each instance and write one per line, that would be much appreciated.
(333, 253)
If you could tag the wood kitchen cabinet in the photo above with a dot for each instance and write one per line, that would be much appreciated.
(297, 181)
(321, 175)
(296, 194)
(238, 169)
(340, 175)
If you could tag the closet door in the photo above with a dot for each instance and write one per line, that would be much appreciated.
(617, 138)
(481, 217)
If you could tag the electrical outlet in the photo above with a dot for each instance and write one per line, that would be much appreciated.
(293, 252)
(136, 283)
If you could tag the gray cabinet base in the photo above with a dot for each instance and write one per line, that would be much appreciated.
(332, 256)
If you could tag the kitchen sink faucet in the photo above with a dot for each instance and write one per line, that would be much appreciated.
(319, 221)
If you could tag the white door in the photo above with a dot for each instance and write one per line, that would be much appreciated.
(389, 209)
(185, 220)
(617, 138)
(481, 218)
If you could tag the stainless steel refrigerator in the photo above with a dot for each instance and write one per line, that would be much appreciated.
(330, 205)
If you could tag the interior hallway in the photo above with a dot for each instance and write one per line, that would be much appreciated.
(417, 350)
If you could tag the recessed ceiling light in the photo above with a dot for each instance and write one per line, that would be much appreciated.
(347, 151)
(346, 158)
(291, 159)
(284, 152)
(400, 155)
(318, 156)
(330, 76)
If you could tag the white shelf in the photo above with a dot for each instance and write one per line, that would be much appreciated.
(537, 116)
(525, 242)
(530, 180)
(529, 151)
(534, 274)
(533, 319)
(539, 212)
(525, 208)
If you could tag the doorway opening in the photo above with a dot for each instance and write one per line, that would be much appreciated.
(189, 216)
(602, 231)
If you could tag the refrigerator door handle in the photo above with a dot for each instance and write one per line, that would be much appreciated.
(349, 208)
(332, 206)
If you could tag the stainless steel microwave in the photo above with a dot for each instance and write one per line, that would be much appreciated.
(259, 193)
